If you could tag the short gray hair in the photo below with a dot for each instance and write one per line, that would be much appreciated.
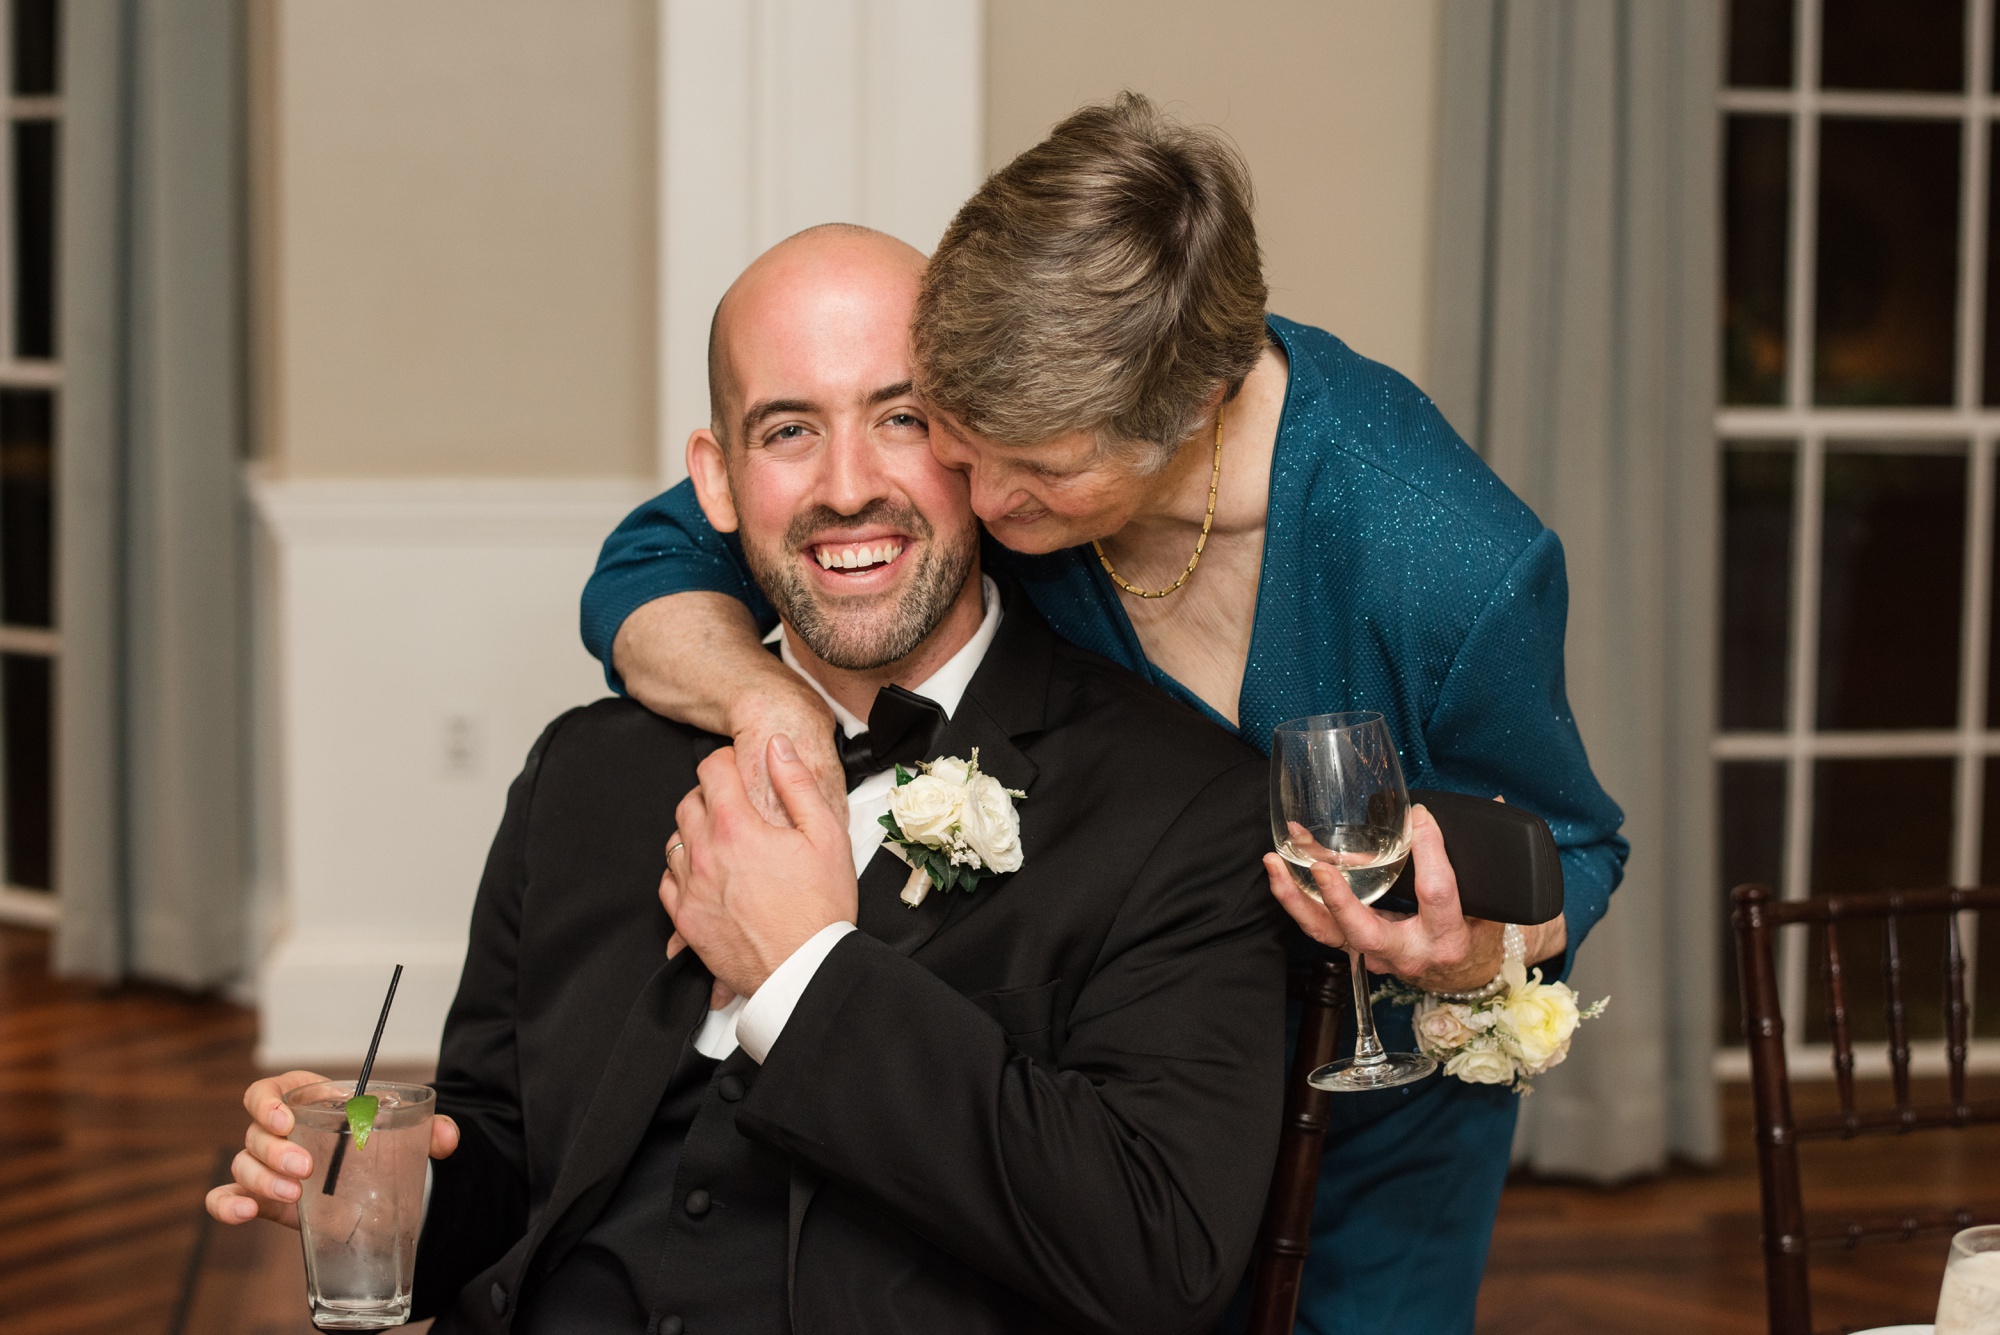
(1106, 280)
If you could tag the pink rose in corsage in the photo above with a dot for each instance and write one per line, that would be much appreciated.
(953, 825)
(1508, 1038)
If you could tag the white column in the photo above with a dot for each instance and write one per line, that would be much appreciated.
(776, 115)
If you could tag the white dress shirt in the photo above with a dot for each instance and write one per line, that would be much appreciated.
(755, 1021)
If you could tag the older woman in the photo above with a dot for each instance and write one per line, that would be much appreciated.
(1263, 523)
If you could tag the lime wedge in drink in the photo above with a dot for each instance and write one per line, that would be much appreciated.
(361, 1118)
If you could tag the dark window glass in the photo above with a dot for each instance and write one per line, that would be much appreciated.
(1993, 647)
(37, 53)
(1986, 973)
(1991, 390)
(1891, 582)
(1886, 285)
(1986, 976)
(1881, 825)
(27, 532)
(1760, 43)
(35, 239)
(1757, 488)
(1913, 45)
(26, 703)
(1752, 795)
(1757, 207)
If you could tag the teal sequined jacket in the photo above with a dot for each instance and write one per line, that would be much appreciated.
(1400, 575)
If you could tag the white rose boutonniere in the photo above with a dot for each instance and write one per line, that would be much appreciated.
(990, 825)
(1520, 1031)
(927, 809)
(953, 825)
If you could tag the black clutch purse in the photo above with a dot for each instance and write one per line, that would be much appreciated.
(1505, 859)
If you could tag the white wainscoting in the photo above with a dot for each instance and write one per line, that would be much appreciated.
(415, 638)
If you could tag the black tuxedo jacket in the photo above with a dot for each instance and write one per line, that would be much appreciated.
(1050, 1103)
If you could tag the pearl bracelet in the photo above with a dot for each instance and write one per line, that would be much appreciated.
(1514, 947)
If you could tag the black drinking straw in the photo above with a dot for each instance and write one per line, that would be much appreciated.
(361, 1085)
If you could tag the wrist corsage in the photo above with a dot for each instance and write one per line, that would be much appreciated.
(954, 825)
(1505, 1033)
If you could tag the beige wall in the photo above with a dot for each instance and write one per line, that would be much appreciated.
(453, 223)
(1331, 101)
(453, 202)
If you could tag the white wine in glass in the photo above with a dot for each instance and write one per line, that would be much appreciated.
(1371, 859)
(1337, 797)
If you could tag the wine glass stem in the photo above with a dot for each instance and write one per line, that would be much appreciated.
(1367, 1047)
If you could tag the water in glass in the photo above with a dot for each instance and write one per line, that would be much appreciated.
(361, 1241)
(1970, 1301)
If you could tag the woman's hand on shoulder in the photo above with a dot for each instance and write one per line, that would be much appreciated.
(696, 657)
(797, 712)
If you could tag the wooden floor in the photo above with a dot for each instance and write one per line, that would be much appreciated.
(113, 1106)
(117, 1110)
(1679, 1254)
(117, 1106)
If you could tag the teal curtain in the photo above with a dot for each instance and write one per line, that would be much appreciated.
(149, 724)
(1573, 342)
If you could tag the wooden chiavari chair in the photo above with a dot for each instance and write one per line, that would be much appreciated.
(1788, 1234)
(1286, 1233)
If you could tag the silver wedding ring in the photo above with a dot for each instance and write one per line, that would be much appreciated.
(676, 844)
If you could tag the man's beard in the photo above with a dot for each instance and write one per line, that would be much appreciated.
(857, 633)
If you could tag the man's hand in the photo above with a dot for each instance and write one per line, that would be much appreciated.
(745, 893)
(271, 1171)
(1440, 949)
(758, 719)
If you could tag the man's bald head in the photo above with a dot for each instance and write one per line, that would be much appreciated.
(788, 281)
(818, 457)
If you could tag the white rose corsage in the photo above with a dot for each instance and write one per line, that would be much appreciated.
(1518, 1030)
(953, 825)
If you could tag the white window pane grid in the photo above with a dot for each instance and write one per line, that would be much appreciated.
(1813, 431)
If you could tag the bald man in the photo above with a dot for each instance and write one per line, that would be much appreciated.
(706, 1073)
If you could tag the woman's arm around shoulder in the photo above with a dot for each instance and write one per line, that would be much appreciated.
(672, 613)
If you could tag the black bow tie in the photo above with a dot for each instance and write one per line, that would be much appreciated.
(902, 728)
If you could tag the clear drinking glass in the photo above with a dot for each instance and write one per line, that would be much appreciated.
(361, 1240)
(1970, 1301)
(1337, 797)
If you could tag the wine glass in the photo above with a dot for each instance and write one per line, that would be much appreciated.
(1337, 797)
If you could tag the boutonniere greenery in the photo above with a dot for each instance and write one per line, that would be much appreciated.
(953, 825)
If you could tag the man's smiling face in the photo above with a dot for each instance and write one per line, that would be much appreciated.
(852, 528)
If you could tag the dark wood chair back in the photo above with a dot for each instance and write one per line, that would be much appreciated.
(1286, 1233)
(1788, 1235)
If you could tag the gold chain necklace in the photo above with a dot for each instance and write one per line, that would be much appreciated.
(1207, 522)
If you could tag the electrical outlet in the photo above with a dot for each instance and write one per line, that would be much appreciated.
(461, 743)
